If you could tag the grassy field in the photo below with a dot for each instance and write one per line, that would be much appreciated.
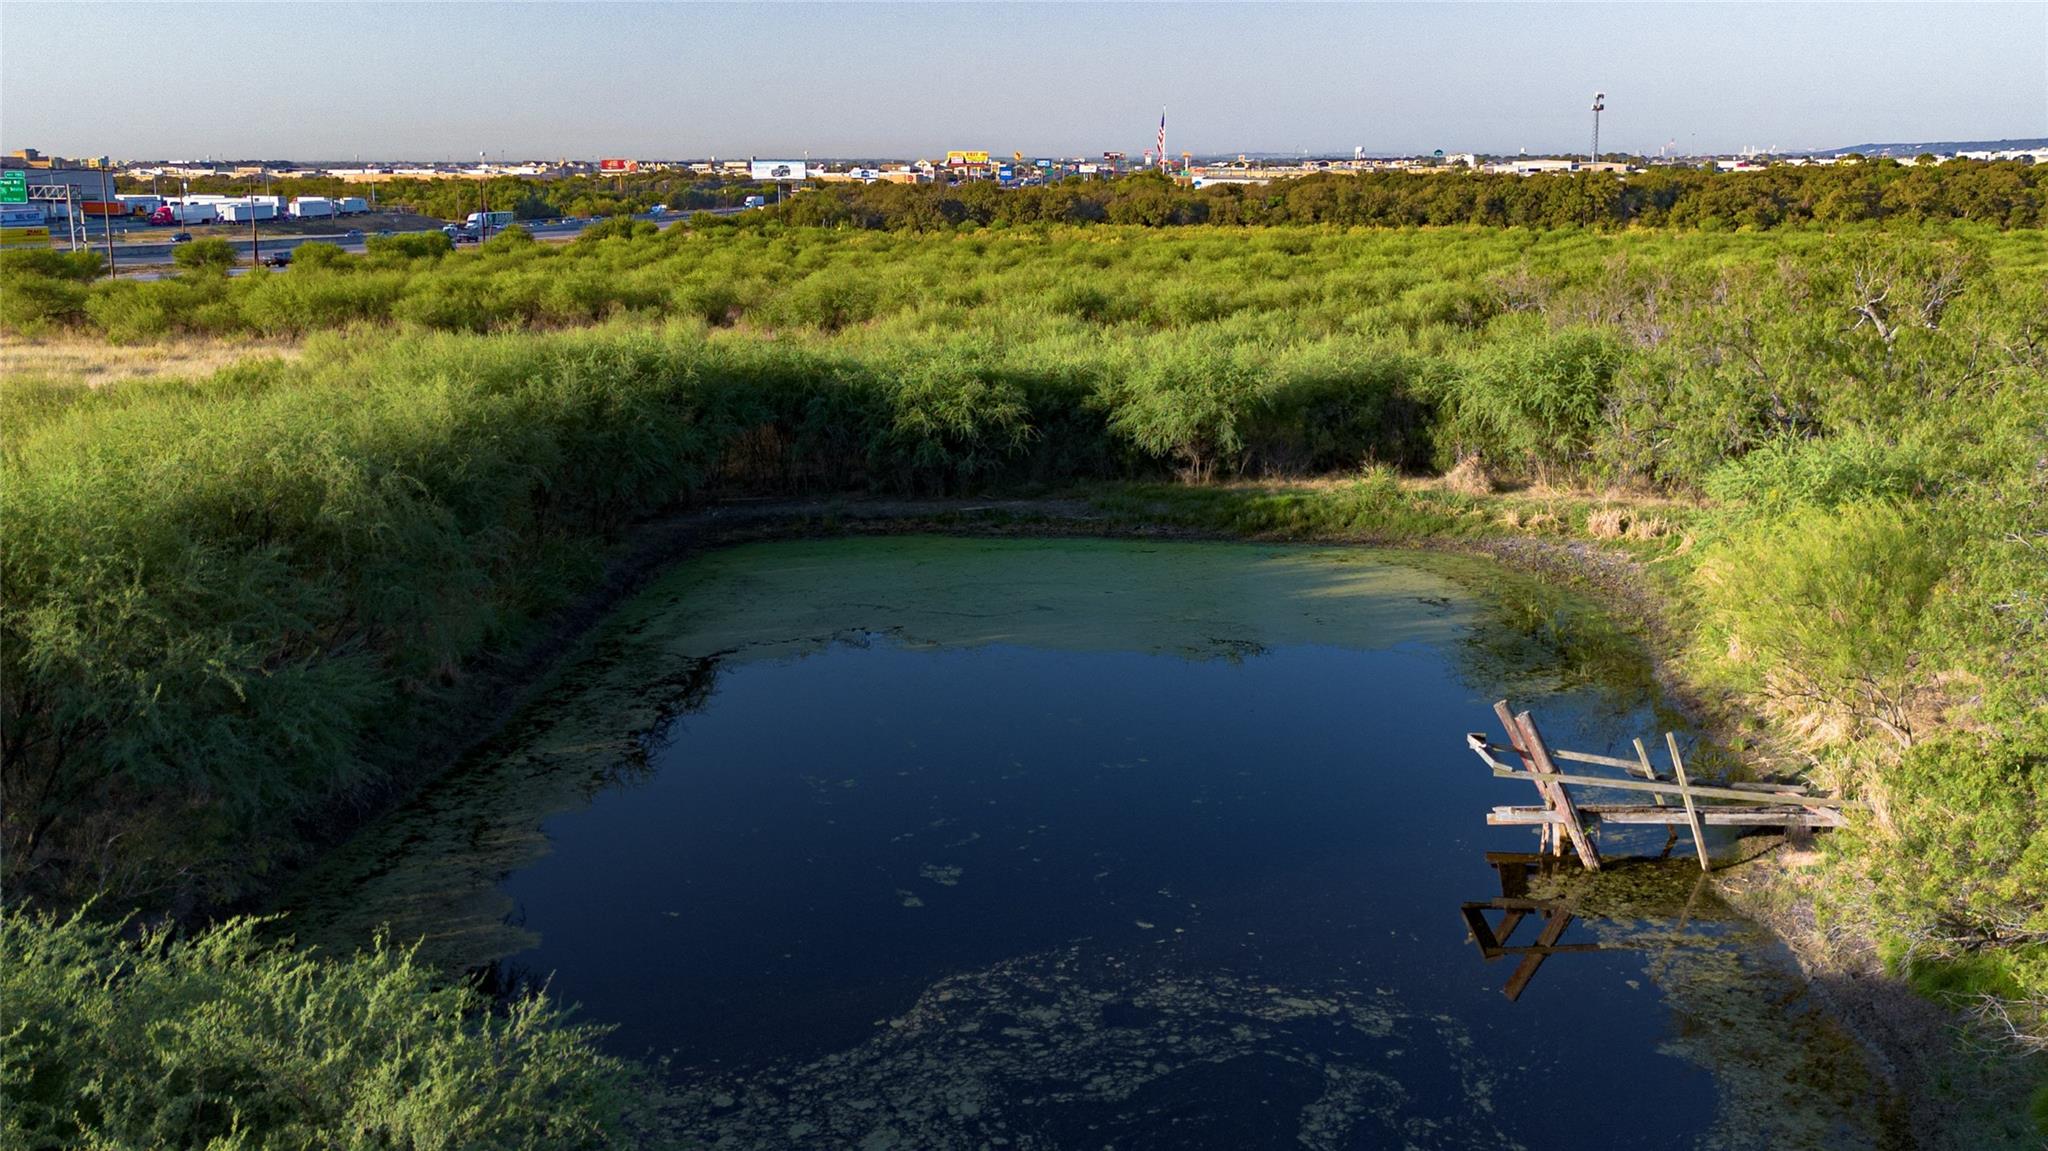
(242, 592)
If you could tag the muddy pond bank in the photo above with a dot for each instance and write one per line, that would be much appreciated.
(1070, 826)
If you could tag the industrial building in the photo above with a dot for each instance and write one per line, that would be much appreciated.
(65, 193)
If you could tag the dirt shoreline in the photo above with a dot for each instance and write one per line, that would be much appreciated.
(1906, 1039)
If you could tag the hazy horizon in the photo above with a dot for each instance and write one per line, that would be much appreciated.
(435, 82)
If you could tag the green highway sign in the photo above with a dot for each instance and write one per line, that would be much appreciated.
(13, 187)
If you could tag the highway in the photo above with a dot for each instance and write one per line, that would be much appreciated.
(149, 258)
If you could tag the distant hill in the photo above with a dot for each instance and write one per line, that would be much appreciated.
(1938, 147)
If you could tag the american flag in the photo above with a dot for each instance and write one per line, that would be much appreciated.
(1162, 139)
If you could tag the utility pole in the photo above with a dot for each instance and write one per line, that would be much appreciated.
(107, 222)
(255, 244)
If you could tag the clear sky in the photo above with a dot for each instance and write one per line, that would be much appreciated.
(446, 81)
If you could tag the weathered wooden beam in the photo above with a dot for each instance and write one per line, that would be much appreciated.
(1589, 757)
(1553, 927)
(1553, 795)
(1532, 738)
(1649, 772)
(1648, 814)
(1699, 835)
(1482, 932)
(1699, 791)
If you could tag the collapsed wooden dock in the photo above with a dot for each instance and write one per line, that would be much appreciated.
(1697, 807)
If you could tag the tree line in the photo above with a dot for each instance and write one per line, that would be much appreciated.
(454, 198)
(2003, 194)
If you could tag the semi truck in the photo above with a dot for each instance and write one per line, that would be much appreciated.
(489, 220)
(352, 205)
(312, 208)
(185, 214)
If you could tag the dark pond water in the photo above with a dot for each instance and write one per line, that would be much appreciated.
(945, 843)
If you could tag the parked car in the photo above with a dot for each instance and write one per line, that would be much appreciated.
(181, 238)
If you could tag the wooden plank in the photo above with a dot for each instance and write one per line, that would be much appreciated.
(1649, 772)
(1559, 949)
(1547, 840)
(1747, 789)
(1699, 835)
(1589, 757)
(1532, 738)
(1554, 924)
(1521, 748)
(1482, 933)
(1700, 791)
(1508, 923)
(1648, 815)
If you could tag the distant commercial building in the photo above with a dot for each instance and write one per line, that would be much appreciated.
(31, 158)
(88, 191)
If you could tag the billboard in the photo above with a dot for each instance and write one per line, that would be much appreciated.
(777, 170)
(958, 159)
(618, 167)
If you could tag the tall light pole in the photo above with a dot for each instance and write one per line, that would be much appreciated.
(107, 222)
(1599, 106)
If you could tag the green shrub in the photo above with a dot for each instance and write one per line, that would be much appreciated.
(211, 255)
(617, 228)
(31, 304)
(409, 247)
(950, 422)
(83, 266)
(450, 305)
(1529, 398)
(1969, 845)
(128, 313)
(512, 239)
(312, 299)
(315, 255)
(221, 1040)
(1190, 403)
(1827, 606)
(1784, 474)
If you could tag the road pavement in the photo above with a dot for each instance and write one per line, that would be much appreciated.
(142, 255)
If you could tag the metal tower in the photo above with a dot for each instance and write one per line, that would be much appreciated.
(1599, 106)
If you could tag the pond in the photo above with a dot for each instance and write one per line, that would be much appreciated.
(926, 842)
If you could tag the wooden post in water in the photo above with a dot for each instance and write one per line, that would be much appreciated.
(1650, 773)
(1692, 815)
(1527, 741)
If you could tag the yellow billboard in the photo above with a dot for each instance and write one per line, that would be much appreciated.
(957, 159)
(24, 237)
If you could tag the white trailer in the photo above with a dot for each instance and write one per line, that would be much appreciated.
(243, 211)
(189, 213)
(312, 207)
(352, 205)
(141, 205)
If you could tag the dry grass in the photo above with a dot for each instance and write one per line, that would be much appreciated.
(1470, 478)
(96, 364)
(1618, 523)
